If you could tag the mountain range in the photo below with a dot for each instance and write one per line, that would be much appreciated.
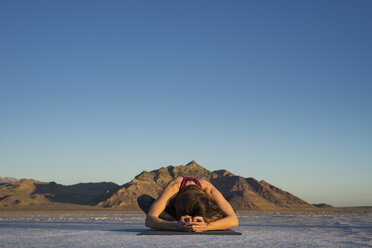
(242, 193)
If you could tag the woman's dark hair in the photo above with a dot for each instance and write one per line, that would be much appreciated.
(194, 202)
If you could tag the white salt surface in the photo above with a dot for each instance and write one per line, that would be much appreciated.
(120, 229)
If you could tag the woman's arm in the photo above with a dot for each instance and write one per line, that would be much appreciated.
(152, 217)
(230, 219)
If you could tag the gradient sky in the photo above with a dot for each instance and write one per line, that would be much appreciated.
(96, 91)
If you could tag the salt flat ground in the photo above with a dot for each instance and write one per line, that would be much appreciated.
(118, 229)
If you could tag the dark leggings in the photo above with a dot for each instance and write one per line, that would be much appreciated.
(145, 202)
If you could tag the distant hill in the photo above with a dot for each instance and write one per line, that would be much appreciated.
(323, 205)
(242, 193)
(28, 192)
(8, 179)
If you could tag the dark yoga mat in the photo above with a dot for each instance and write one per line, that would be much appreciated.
(219, 232)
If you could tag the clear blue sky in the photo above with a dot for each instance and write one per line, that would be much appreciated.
(277, 90)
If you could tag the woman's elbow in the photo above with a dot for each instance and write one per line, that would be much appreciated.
(235, 222)
(148, 221)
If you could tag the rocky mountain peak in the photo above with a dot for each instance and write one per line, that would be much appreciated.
(223, 173)
(193, 164)
(243, 193)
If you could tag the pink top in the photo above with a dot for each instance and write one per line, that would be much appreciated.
(186, 179)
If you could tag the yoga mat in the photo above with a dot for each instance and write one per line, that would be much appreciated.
(164, 232)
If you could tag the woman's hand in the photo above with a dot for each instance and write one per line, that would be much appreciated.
(192, 224)
(198, 224)
(184, 223)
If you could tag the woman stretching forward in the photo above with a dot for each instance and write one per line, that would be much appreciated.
(188, 204)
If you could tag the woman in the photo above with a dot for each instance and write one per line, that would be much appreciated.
(188, 204)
